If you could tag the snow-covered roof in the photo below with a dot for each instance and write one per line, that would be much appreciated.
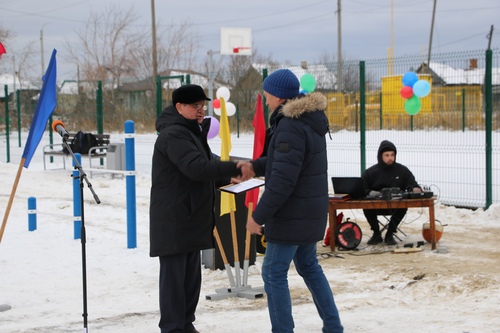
(198, 79)
(13, 84)
(452, 75)
(69, 88)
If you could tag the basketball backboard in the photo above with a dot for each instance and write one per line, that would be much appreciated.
(236, 41)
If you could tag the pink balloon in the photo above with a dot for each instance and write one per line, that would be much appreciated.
(213, 131)
(216, 103)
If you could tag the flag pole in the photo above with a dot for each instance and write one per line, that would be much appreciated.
(11, 198)
(235, 249)
(224, 258)
(246, 262)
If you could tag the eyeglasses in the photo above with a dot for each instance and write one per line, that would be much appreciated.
(199, 106)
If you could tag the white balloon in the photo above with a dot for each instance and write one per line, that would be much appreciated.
(224, 93)
(217, 111)
(230, 109)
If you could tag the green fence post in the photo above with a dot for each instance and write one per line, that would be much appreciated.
(18, 107)
(159, 90)
(237, 121)
(362, 115)
(381, 113)
(463, 110)
(159, 96)
(488, 104)
(99, 112)
(6, 90)
(266, 110)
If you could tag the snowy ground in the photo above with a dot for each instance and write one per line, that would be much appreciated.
(375, 290)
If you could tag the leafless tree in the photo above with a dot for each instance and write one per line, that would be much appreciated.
(177, 48)
(25, 62)
(104, 47)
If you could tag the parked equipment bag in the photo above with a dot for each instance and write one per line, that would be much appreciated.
(82, 142)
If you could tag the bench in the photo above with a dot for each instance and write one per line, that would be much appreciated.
(56, 149)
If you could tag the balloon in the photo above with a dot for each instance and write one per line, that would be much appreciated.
(409, 79)
(230, 109)
(224, 93)
(214, 127)
(217, 111)
(308, 83)
(406, 92)
(413, 105)
(421, 88)
(216, 103)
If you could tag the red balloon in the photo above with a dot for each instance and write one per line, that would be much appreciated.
(406, 92)
(216, 103)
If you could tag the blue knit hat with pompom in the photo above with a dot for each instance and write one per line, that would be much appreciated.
(282, 84)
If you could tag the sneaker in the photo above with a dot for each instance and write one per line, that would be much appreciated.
(389, 240)
(375, 239)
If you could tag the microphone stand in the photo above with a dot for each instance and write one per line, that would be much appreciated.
(83, 177)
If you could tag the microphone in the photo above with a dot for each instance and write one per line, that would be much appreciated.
(58, 126)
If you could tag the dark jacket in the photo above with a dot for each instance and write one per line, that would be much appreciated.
(381, 175)
(294, 205)
(182, 186)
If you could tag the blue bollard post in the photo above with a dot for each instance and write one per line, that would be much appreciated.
(31, 213)
(130, 181)
(77, 203)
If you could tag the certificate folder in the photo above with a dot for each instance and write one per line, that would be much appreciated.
(243, 186)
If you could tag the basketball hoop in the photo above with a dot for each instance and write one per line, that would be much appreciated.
(235, 41)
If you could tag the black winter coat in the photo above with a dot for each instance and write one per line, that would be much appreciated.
(182, 186)
(381, 175)
(294, 205)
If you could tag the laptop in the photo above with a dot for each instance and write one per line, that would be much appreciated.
(349, 185)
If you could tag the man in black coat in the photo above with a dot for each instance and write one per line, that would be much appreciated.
(182, 204)
(387, 173)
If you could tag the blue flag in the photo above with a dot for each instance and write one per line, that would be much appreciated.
(46, 104)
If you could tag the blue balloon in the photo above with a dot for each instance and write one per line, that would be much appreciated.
(421, 88)
(409, 79)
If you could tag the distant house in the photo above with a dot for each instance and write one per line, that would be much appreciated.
(14, 84)
(443, 74)
(136, 94)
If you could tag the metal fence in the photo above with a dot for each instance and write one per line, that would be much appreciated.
(452, 143)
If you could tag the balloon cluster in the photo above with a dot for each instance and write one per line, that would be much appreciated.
(224, 93)
(307, 83)
(412, 90)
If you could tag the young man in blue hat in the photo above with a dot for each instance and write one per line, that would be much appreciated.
(294, 205)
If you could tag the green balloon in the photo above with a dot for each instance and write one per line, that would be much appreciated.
(308, 83)
(413, 105)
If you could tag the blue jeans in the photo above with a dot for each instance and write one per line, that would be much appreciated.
(275, 275)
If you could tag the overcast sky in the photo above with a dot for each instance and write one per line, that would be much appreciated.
(286, 29)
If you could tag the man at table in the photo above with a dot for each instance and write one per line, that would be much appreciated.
(387, 173)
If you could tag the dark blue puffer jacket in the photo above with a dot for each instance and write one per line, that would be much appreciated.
(294, 205)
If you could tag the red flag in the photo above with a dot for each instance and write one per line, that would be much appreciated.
(259, 140)
(2, 50)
